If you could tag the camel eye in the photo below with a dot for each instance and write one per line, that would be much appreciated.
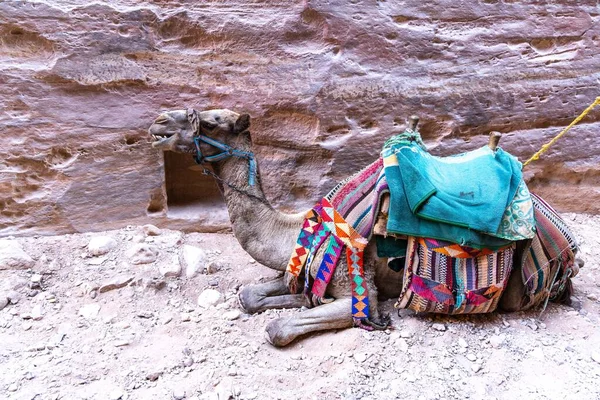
(208, 125)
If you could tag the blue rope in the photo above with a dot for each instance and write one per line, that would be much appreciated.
(227, 151)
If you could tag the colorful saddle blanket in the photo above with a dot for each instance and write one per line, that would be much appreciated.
(345, 219)
(446, 278)
(549, 262)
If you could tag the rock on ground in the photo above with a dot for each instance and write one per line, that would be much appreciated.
(12, 256)
(100, 245)
(209, 298)
(193, 259)
(143, 253)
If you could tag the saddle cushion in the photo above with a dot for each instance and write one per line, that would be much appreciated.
(446, 278)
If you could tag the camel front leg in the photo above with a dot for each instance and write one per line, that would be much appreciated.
(265, 296)
(335, 315)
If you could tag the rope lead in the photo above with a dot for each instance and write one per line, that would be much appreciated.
(545, 147)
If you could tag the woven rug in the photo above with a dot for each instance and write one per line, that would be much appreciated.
(446, 278)
(550, 260)
(343, 219)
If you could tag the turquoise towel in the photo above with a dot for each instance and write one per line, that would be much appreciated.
(453, 198)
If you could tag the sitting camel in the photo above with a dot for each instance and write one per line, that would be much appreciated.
(269, 236)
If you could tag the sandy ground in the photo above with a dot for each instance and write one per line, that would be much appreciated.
(74, 333)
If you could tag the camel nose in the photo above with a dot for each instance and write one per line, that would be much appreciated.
(162, 119)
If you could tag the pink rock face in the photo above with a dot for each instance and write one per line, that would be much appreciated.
(326, 83)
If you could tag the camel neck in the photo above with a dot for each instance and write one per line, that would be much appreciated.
(266, 234)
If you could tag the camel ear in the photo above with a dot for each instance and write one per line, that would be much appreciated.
(242, 123)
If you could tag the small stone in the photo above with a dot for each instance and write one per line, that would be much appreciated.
(151, 230)
(405, 334)
(13, 387)
(143, 253)
(14, 297)
(122, 325)
(171, 269)
(471, 357)
(439, 327)
(122, 343)
(152, 376)
(3, 302)
(145, 314)
(592, 297)
(213, 282)
(26, 326)
(36, 312)
(193, 259)
(533, 326)
(232, 315)
(179, 394)
(496, 341)
(186, 317)
(209, 298)
(462, 343)
(100, 245)
(116, 282)
(476, 367)
(213, 267)
(188, 362)
(36, 281)
(232, 372)
(89, 311)
(505, 323)
(360, 357)
(596, 356)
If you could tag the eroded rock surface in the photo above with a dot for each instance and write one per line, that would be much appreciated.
(326, 83)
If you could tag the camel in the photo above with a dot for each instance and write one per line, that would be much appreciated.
(269, 236)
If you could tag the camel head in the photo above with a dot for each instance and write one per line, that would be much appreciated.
(175, 130)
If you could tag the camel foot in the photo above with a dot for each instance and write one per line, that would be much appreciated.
(247, 301)
(276, 333)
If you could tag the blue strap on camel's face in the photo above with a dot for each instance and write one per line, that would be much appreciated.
(226, 150)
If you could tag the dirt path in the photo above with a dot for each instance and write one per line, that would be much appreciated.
(74, 334)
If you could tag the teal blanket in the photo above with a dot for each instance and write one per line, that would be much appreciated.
(453, 198)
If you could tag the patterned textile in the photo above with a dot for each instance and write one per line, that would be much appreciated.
(550, 260)
(437, 282)
(345, 216)
(518, 222)
(453, 249)
(303, 244)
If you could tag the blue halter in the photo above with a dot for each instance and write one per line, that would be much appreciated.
(227, 151)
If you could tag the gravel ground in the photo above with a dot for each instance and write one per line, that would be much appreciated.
(115, 315)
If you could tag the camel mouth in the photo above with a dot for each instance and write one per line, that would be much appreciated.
(159, 135)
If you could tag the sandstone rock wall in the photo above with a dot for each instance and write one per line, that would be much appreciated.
(326, 82)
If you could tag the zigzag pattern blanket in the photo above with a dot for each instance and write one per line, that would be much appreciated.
(345, 217)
